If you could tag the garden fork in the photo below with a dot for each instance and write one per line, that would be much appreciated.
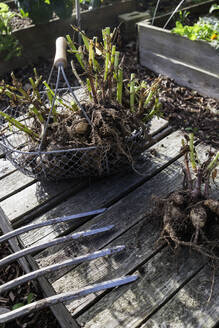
(31, 275)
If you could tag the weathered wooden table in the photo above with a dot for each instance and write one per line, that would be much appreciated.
(172, 290)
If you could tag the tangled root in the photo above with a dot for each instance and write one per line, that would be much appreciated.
(189, 224)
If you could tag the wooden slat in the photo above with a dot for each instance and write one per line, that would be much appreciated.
(99, 269)
(129, 306)
(13, 183)
(140, 246)
(140, 239)
(124, 214)
(195, 78)
(13, 242)
(160, 41)
(176, 56)
(193, 306)
(6, 168)
(127, 214)
(37, 198)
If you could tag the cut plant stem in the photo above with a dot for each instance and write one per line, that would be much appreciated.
(89, 89)
(75, 50)
(106, 66)
(116, 62)
(106, 37)
(76, 74)
(119, 86)
(33, 109)
(213, 163)
(132, 92)
(192, 151)
(91, 53)
(19, 125)
(113, 54)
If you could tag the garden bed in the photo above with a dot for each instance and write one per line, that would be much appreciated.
(38, 41)
(190, 63)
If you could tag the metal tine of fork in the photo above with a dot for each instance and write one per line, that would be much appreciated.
(54, 267)
(65, 297)
(57, 241)
(30, 227)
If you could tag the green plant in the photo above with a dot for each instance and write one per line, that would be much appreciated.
(196, 32)
(109, 120)
(29, 299)
(198, 187)
(102, 65)
(104, 82)
(183, 14)
(37, 107)
(213, 8)
(41, 11)
(9, 46)
(188, 215)
(206, 29)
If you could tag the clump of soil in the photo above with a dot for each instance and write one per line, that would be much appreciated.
(108, 126)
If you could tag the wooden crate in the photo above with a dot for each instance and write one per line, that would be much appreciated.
(194, 64)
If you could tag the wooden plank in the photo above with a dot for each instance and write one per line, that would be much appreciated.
(140, 247)
(140, 242)
(6, 168)
(13, 183)
(192, 306)
(170, 45)
(113, 189)
(157, 124)
(38, 198)
(129, 306)
(123, 214)
(204, 82)
(125, 263)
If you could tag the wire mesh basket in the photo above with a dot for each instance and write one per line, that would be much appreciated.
(58, 162)
(63, 163)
